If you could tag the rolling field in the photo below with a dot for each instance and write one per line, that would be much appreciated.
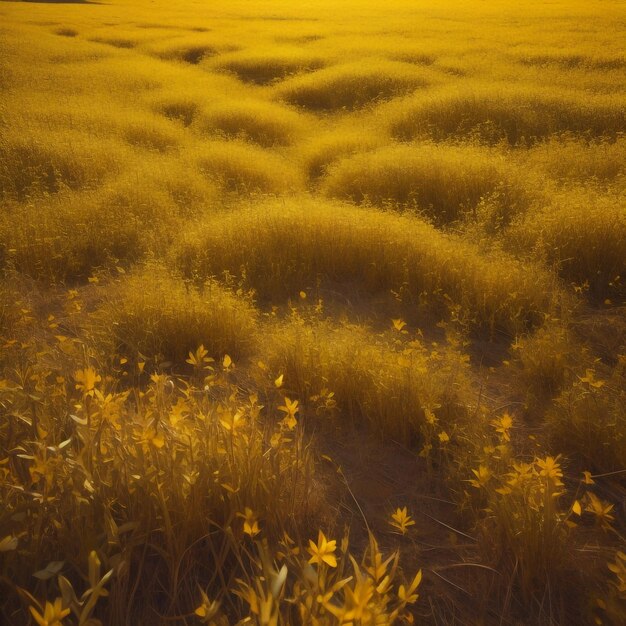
(312, 313)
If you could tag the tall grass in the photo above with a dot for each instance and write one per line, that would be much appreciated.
(247, 248)
(259, 121)
(443, 183)
(503, 112)
(403, 390)
(285, 246)
(238, 166)
(353, 85)
(155, 314)
(264, 66)
(584, 234)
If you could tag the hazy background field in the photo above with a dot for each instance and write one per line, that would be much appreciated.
(407, 218)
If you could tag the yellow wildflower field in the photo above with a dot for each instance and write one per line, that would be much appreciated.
(312, 313)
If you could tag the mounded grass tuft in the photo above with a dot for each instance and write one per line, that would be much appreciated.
(152, 313)
(116, 42)
(321, 151)
(568, 158)
(66, 32)
(66, 236)
(588, 420)
(152, 133)
(35, 164)
(288, 245)
(192, 54)
(261, 122)
(192, 48)
(565, 60)
(352, 85)
(262, 66)
(390, 385)
(237, 166)
(443, 182)
(498, 112)
(584, 234)
(182, 110)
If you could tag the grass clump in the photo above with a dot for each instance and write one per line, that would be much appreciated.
(588, 420)
(66, 32)
(32, 165)
(156, 134)
(63, 238)
(320, 152)
(217, 471)
(261, 122)
(545, 361)
(569, 159)
(403, 390)
(495, 113)
(527, 526)
(584, 234)
(263, 66)
(445, 183)
(237, 166)
(152, 313)
(353, 85)
(66, 240)
(291, 244)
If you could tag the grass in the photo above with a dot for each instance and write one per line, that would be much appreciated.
(264, 66)
(494, 113)
(255, 120)
(70, 161)
(158, 315)
(442, 183)
(352, 85)
(399, 388)
(589, 251)
(312, 314)
(285, 245)
(319, 152)
(568, 159)
(238, 166)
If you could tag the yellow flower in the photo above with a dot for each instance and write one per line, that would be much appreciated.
(587, 479)
(483, 475)
(601, 509)
(250, 522)
(551, 470)
(42, 467)
(207, 610)
(401, 520)
(290, 408)
(503, 426)
(408, 595)
(231, 422)
(199, 358)
(323, 551)
(86, 380)
(398, 324)
(53, 614)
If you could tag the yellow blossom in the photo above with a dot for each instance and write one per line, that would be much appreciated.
(550, 469)
(323, 551)
(250, 522)
(483, 475)
(53, 614)
(401, 520)
(86, 380)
